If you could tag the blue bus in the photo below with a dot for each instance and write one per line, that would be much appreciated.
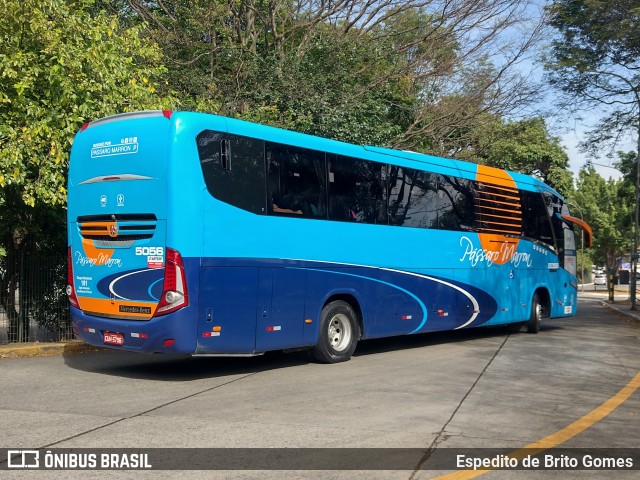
(199, 234)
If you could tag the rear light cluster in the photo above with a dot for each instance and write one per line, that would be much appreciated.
(71, 291)
(174, 291)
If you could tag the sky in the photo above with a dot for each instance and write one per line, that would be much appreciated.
(562, 124)
(577, 159)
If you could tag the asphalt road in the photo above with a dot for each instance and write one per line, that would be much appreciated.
(572, 385)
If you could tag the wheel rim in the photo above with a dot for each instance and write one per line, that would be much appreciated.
(339, 332)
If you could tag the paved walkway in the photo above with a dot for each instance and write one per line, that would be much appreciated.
(621, 299)
(39, 349)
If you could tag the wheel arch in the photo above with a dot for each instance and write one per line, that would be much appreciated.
(545, 300)
(352, 300)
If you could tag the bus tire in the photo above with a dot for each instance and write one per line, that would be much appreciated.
(339, 333)
(533, 324)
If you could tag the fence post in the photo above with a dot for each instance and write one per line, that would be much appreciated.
(611, 284)
(21, 297)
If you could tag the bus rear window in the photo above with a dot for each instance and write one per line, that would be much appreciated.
(233, 169)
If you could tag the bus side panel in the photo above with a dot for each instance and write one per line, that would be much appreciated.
(503, 282)
(228, 300)
(399, 302)
(382, 303)
(280, 308)
(563, 295)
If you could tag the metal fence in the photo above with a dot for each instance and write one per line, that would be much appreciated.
(33, 302)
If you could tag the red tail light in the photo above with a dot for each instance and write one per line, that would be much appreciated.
(71, 291)
(174, 291)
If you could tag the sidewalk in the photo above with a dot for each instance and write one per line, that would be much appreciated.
(621, 299)
(37, 349)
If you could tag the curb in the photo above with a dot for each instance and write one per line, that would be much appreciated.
(37, 349)
(634, 315)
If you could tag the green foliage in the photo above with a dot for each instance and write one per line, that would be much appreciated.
(525, 146)
(608, 208)
(595, 33)
(303, 92)
(595, 61)
(62, 63)
(62, 67)
(413, 75)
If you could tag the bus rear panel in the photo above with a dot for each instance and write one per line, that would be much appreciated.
(125, 282)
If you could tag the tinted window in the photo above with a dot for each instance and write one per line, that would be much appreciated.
(455, 203)
(411, 194)
(535, 218)
(233, 169)
(428, 200)
(356, 190)
(296, 182)
(565, 240)
(543, 217)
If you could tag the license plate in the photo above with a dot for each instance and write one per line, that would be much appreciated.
(111, 338)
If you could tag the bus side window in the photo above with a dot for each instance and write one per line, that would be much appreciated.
(456, 203)
(356, 190)
(296, 181)
(535, 218)
(563, 232)
(429, 200)
(411, 198)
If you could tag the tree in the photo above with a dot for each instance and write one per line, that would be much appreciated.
(609, 211)
(596, 62)
(427, 73)
(525, 146)
(61, 65)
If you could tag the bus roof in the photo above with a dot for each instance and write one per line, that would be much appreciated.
(403, 158)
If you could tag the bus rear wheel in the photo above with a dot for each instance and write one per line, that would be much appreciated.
(533, 324)
(339, 333)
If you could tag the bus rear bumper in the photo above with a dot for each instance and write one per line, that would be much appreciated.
(172, 333)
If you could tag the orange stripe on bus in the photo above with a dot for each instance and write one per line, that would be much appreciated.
(495, 176)
(112, 307)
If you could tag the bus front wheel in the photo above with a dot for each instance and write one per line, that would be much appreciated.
(339, 333)
(533, 325)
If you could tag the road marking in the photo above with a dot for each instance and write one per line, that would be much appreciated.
(561, 436)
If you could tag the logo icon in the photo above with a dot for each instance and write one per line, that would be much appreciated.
(103, 201)
(25, 458)
(113, 230)
(120, 199)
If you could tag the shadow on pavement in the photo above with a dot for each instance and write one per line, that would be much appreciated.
(187, 368)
